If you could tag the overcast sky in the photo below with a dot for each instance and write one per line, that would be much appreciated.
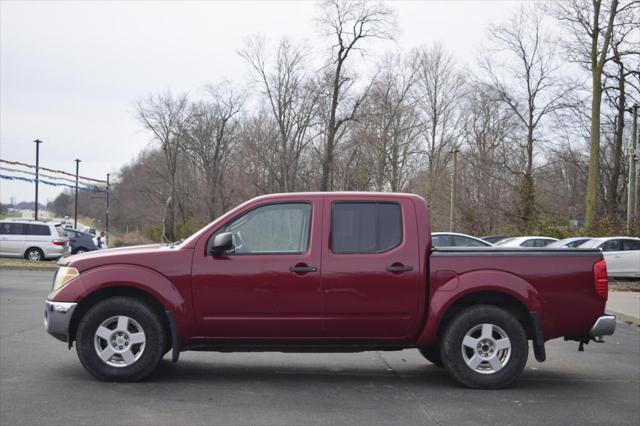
(70, 72)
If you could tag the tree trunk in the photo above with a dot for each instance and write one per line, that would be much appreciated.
(594, 160)
(527, 190)
(613, 193)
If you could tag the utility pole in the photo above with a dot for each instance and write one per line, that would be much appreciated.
(37, 142)
(75, 216)
(632, 188)
(454, 182)
(106, 220)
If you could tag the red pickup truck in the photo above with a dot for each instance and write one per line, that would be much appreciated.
(326, 272)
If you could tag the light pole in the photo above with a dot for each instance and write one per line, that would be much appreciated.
(454, 181)
(632, 188)
(75, 215)
(37, 142)
(106, 221)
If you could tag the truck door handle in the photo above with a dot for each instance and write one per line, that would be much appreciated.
(303, 269)
(398, 268)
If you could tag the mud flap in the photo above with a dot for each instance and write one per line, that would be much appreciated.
(538, 339)
(175, 341)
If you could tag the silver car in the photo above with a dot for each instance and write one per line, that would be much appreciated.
(32, 240)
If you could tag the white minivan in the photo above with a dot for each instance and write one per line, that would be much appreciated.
(32, 240)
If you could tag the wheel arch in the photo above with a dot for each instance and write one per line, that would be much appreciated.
(24, 256)
(501, 299)
(114, 291)
(490, 287)
(142, 283)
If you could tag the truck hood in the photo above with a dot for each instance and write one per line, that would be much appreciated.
(112, 256)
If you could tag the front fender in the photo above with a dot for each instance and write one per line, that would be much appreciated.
(459, 286)
(132, 276)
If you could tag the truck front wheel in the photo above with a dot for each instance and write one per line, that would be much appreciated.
(484, 347)
(120, 339)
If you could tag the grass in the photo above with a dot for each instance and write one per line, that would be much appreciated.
(26, 264)
(15, 215)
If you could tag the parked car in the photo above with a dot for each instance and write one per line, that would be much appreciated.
(530, 241)
(454, 239)
(493, 239)
(32, 240)
(326, 272)
(622, 255)
(80, 242)
(572, 242)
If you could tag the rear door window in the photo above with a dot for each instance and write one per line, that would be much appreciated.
(629, 245)
(36, 229)
(365, 227)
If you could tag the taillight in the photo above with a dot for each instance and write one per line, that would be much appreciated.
(59, 242)
(601, 279)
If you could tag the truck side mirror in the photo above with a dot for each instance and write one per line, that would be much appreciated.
(221, 243)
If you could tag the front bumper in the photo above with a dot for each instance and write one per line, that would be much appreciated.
(57, 318)
(605, 325)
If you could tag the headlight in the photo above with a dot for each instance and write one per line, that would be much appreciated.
(63, 276)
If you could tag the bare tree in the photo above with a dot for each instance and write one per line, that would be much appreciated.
(522, 69)
(489, 128)
(292, 99)
(348, 23)
(209, 134)
(439, 92)
(390, 123)
(621, 77)
(165, 116)
(591, 24)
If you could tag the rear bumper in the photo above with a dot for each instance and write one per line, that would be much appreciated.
(605, 325)
(57, 317)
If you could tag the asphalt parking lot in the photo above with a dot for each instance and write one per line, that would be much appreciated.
(41, 382)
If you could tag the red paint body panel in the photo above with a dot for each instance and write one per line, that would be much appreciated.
(361, 299)
(247, 297)
(351, 298)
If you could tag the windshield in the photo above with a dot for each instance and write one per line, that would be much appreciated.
(503, 242)
(593, 243)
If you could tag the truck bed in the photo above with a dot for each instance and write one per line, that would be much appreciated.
(559, 281)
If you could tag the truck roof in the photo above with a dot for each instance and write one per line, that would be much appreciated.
(337, 194)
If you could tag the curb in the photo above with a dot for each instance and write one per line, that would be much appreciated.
(624, 318)
(27, 268)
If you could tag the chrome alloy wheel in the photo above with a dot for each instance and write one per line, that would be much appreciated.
(486, 348)
(34, 255)
(119, 341)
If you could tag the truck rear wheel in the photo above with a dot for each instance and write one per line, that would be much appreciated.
(120, 339)
(485, 347)
(432, 355)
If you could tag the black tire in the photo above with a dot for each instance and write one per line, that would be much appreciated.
(34, 254)
(432, 355)
(80, 250)
(140, 313)
(454, 353)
